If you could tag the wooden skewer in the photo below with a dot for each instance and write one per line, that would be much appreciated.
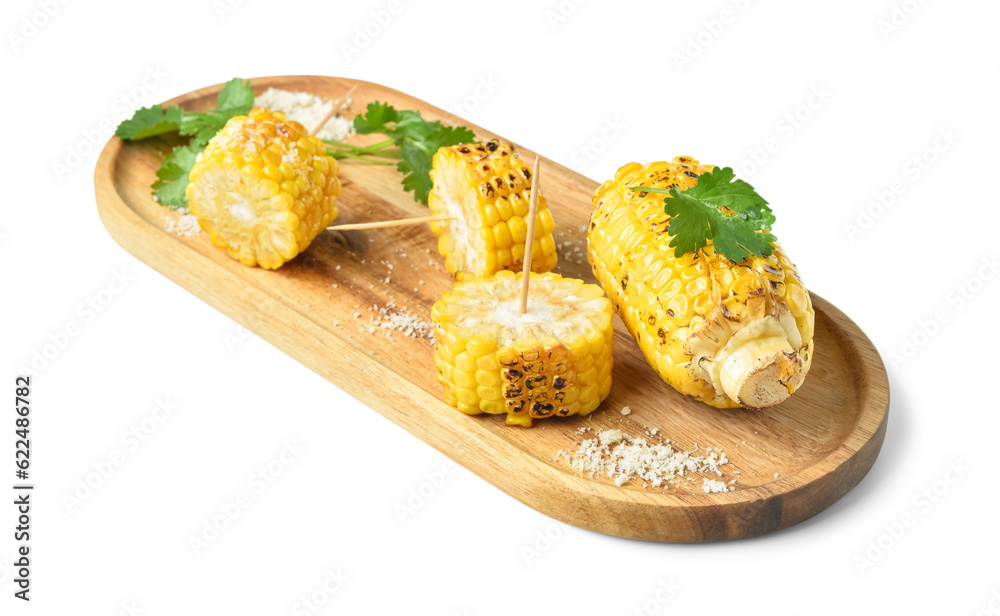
(333, 110)
(529, 241)
(389, 223)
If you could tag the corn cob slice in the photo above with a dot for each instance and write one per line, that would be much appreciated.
(554, 360)
(487, 187)
(724, 333)
(263, 188)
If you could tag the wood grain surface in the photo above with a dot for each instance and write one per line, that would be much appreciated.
(799, 457)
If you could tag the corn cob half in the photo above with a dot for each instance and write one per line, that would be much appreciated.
(729, 334)
(554, 360)
(487, 188)
(263, 188)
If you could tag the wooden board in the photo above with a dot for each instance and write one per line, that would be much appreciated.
(799, 457)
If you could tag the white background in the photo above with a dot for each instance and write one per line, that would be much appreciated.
(562, 73)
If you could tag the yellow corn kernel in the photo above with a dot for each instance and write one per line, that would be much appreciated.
(260, 190)
(556, 361)
(706, 324)
(486, 187)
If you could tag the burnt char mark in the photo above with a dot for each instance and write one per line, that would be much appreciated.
(512, 392)
(512, 375)
(526, 173)
(464, 150)
(536, 381)
(560, 383)
(769, 269)
(691, 174)
(492, 145)
(539, 409)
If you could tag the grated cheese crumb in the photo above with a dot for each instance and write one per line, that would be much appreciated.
(308, 110)
(714, 485)
(622, 457)
(626, 410)
(185, 226)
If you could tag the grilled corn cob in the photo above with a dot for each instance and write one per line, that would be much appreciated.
(554, 360)
(729, 334)
(487, 187)
(263, 188)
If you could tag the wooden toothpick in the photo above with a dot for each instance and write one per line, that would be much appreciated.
(333, 110)
(529, 241)
(389, 223)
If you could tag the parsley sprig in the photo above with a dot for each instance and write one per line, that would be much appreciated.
(717, 208)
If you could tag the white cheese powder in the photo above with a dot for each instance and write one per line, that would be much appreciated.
(618, 455)
(308, 110)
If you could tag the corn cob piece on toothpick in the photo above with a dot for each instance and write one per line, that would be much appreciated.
(726, 333)
(555, 360)
(486, 187)
(263, 188)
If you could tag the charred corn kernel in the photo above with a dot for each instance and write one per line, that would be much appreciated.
(725, 333)
(554, 360)
(487, 188)
(263, 188)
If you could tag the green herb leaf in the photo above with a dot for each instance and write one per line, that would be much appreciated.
(375, 119)
(236, 98)
(717, 208)
(150, 121)
(172, 176)
(418, 140)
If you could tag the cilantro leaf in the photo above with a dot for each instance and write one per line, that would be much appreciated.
(415, 166)
(236, 98)
(417, 139)
(375, 119)
(172, 176)
(717, 208)
(150, 121)
(202, 125)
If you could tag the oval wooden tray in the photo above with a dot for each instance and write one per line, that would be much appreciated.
(799, 457)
